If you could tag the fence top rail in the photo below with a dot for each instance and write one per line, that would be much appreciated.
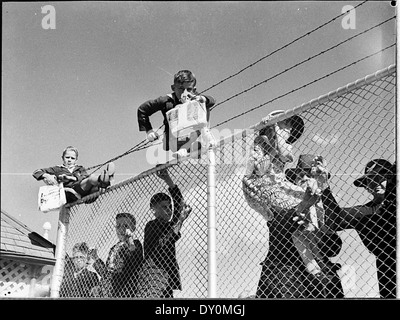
(287, 114)
(127, 181)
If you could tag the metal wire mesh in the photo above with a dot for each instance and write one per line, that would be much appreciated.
(349, 128)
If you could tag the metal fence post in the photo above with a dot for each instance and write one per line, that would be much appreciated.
(58, 270)
(397, 154)
(212, 234)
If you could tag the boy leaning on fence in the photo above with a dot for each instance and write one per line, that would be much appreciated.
(160, 274)
(184, 88)
(77, 182)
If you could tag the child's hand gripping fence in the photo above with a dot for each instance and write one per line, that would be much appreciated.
(348, 128)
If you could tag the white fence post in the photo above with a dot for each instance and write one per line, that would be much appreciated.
(397, 157)
(212, 234)
(58, 270)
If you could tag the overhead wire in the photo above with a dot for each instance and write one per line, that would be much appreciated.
(144, 144)
(304, 86)
(304, 61)
(284, 46)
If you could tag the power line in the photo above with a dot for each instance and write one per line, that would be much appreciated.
(283, 47)
(140, 146)
(304, 86)
(145, 143)
(300, 63)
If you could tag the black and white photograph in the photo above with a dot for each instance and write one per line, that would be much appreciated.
(192, 150)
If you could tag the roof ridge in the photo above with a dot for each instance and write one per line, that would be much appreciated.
(16, 222)
(23, 228)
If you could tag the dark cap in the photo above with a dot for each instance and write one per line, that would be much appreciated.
(296, 122)
(305, 163)
(373, 168)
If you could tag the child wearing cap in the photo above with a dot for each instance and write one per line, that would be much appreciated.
(267, 190)
(374, 221)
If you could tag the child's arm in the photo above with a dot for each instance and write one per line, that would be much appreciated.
(284, 149)
(65, 178)
(181, 210)
(48, 175)
(151, 239)
(137, 254)
(338, 218)
(78, 175)
(81, 174)
(144, 112)
(210, 102)
(184, 214)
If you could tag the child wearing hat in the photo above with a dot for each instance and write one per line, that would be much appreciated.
(267, 190)
(374, 221)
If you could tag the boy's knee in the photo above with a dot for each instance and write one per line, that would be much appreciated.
(93, 179)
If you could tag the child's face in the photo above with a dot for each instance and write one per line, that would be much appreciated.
(285, 128)
(163, 210)
(302, 177)
(69, 158)
(122, 225)
(258, 151)
(80, 260)
(180, 88)
(376, 185)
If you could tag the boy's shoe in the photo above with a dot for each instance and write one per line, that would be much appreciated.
(71, 195)
(107, 176)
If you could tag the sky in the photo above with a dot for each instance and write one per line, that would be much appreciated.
(81, 83)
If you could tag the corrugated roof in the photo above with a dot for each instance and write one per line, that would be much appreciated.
(18, 241)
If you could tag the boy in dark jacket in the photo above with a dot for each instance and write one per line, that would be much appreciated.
(184, 85)
(77, 182)
(160, 274)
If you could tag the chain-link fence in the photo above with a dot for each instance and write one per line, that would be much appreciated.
(348, 128)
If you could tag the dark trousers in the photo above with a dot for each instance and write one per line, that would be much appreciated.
(282, 281)
(386, 271)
